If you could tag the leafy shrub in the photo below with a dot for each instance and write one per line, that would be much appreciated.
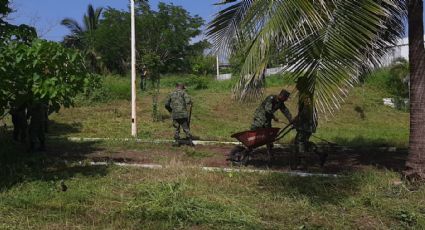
(42, 71)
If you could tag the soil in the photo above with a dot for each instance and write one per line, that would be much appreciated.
(340, 159)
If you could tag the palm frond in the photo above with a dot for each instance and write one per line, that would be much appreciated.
(223, 29)
(91, 18)
(279, 25)
(72, 25)
(325, 41)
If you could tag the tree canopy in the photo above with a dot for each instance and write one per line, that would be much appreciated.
(34, 70)
(166, 33)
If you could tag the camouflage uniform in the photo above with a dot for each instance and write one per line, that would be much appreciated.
(37, 114)
(177, 104)
(20, 124)
(305, 123)
(265, 112)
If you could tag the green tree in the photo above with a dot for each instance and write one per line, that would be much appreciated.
(37, 70)
(398, 82)
(115, 50)
(327, 42)
(166, 33)
(41, 71)
(82, 37)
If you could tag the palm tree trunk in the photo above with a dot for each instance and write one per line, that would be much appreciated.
(415, 165)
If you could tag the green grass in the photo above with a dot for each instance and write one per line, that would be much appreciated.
(180, 197)
(183, 197)
(362, 120)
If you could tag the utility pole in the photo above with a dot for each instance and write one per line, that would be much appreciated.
(218, 68)
(133, 73)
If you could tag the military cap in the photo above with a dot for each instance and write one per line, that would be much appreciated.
(284, 93)
(180, 86)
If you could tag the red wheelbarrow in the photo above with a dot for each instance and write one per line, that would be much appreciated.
(252, 139)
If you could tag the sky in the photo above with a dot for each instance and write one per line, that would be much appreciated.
(45, 15)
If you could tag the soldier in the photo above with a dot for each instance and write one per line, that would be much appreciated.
(37, 115)
(178, 103)
(20, 124)
(143, 78)
(265, 112)
(305, 122)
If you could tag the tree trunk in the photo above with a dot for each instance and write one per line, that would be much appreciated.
(415, 165)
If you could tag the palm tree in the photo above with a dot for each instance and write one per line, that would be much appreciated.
(415, 165)
(82, 37)
(326, 41)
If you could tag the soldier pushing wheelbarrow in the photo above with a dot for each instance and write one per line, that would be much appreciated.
(262, 133)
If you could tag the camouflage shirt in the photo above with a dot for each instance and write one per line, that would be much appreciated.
(307, 119)
(177, 103)
(265, 112)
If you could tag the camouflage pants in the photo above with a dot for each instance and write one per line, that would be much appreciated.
(302, 141)
(183, 123)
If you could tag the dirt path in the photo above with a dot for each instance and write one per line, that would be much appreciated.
(339, 160)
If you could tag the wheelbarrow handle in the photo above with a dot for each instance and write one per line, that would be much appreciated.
(285, 128)
(282, 134)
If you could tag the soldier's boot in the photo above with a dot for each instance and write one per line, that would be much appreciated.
(176, 142)
(299, 157)
(190, 140)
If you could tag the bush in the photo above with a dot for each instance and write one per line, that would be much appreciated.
(393, 80)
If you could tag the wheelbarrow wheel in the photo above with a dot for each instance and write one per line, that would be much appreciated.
(236, 153)
(239, 155)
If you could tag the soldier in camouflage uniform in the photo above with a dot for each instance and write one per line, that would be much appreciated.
(306, 122)
(20, 124)
(265, 112)
(37, 115)
(178, 103)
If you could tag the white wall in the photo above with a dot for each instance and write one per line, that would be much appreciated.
(400, 50)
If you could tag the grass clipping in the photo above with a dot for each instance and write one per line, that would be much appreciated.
(168, 204)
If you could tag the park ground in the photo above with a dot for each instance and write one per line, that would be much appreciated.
(369, 192)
